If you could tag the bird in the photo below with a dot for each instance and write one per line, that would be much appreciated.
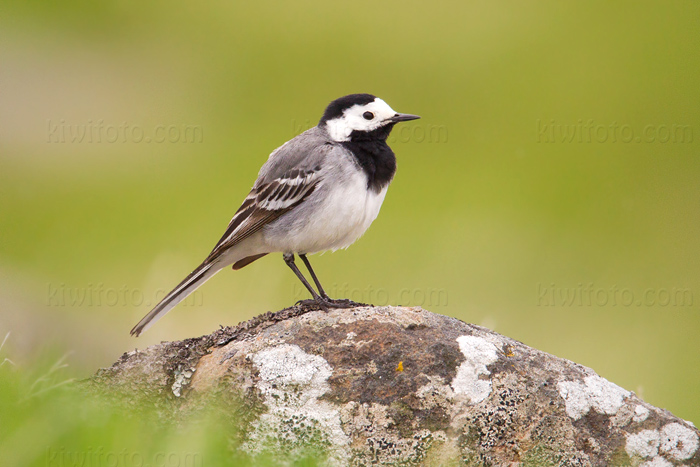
(319, 191)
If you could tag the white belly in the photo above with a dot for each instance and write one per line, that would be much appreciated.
(327, 220)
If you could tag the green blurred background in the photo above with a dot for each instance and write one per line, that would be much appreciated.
(550, 191)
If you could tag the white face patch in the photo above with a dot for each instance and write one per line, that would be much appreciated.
(353, 119)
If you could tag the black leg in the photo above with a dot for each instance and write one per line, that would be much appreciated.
(338, 303)
(313, 276)
(289, 259)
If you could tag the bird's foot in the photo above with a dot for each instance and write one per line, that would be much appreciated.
(326, 303)
(342, 303)
(313, 304)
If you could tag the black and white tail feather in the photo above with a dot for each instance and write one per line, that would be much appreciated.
(265, 203)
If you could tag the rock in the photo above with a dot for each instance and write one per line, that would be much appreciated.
(392, 385)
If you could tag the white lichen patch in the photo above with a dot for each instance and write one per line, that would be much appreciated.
(478, 353)
(643, 444)
(291, 382)
(182, 378)
(657, 461)
(641, 413)
(673, 440)
(678, 442)
(593, 393)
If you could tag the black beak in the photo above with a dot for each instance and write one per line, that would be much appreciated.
(403, 118)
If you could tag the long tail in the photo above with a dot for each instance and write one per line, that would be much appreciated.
(198, 277)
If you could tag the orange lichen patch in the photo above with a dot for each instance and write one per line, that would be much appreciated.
(508, 351)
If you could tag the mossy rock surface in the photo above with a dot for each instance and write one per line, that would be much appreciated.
(399, 386)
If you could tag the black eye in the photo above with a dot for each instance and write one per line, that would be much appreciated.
(368, 115)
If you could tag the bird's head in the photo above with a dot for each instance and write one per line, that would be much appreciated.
(360, 117)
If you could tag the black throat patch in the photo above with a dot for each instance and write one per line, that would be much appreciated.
(374, 156)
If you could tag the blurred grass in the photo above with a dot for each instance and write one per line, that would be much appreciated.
(485, 217)
(47, 422)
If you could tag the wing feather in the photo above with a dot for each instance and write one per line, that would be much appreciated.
(265, 203)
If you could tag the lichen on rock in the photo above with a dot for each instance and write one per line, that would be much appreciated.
(593, 392)
(402, 386)
(292, 382)
(478, 354)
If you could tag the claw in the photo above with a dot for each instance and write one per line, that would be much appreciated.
(326, 303)
(344, 303)
(310, 302)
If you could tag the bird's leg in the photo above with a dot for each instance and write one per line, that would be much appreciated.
(313, 276)
(339, 303)
(289, 259)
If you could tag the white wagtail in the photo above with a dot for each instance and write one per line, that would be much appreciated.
(319, 191)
